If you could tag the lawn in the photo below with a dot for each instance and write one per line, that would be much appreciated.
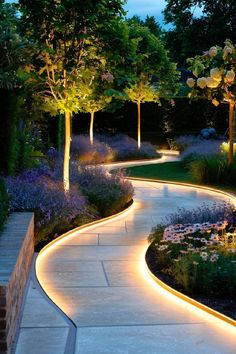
(170, 171)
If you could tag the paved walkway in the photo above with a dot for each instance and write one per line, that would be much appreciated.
(97, 277)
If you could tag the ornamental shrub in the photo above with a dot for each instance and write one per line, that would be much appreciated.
(214, 277)
(99, 152)
(202, 148)
(109, 193)
(213, 169)
(107, 148)
(125, 148)
(4, 203)
(205, 212)
(93, 193)
(54, 211)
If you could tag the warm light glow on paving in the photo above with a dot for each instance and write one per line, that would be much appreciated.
(115, 165)
(174, 302)
(45, 256)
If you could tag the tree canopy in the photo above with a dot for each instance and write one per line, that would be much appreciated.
(154, 75)
(11, 46)
(194, 34)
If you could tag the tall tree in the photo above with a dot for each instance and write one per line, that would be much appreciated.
(103, 78)
(12, 56)
(149, 22)
(154, 75)
(65, 29)
(217, 21)
(93, 85)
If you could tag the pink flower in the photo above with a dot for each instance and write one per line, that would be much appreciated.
(107, 77)
(214, 257)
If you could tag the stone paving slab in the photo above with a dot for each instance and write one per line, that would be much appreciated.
(42, 341)
(43, 328)
(69, 266)
(95, 253)
(94, 277)
(129, 305)
(162, 339)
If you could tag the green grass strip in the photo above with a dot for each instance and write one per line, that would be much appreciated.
(170, 171)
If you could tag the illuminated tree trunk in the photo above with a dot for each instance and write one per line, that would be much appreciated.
(139, 123)
(231, 131)
(66, 167)
(91, 127)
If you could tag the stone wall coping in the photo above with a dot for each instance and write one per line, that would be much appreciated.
(11, 240)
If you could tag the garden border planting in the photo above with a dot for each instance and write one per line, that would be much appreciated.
(81, 227)
(188, 299)
(169, 288)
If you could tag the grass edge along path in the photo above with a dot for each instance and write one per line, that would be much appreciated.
(171, 171)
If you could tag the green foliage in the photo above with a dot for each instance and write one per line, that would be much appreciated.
(184, 39)
(214, 73)
(212, 279)
(154, 74)
(149, 22)
(224, 148)
(70, 35)
(69, 20)
(56, 227)
(94, 89)
(13, 53)
(108, 199)
(4, 203)
(11, 47)
(213, 170)
(108, 194)
(142, 92)
(28, 155)
(197, 267)
(168, 171)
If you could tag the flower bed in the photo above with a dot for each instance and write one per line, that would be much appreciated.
(107, 148)
(93, 194)
(198, 259)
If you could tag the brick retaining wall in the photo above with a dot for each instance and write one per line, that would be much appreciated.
(16, 251)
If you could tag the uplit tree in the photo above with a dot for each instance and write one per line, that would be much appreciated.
(141, 92)
(106, 72)
(214, 79)
(95, 98)
(154, 75)
(65, 30)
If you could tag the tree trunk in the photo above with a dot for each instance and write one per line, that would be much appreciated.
(91, 127)
(139, 124)
(231, 131)
(66, 169)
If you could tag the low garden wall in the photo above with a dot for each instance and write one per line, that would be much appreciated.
(16, 251)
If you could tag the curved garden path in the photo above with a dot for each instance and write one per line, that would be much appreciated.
(98, 278)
